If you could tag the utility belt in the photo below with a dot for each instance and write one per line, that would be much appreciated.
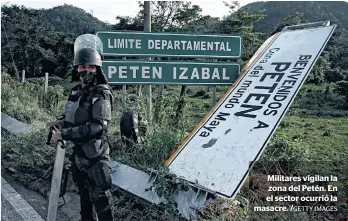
(91, 149)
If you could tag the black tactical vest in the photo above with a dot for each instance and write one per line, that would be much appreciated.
(78, 111)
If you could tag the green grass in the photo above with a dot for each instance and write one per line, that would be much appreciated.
(301, 146)
(29, 159)
(311, 133)
(325, 142)
(319, 101)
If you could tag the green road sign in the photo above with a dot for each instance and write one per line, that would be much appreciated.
(179, 73)
(170, 45)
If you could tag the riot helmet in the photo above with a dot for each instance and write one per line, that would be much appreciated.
(89, 56)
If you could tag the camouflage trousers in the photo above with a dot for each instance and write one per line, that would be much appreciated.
(93, 180)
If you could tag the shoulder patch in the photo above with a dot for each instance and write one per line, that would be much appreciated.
(74, 92)
(94, 100)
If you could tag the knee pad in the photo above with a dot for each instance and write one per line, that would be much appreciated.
(100, 176)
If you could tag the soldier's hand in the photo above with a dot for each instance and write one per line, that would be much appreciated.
(56, 137)
(57, 123)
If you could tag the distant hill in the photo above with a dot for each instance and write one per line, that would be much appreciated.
(335, 11)
(70, 19)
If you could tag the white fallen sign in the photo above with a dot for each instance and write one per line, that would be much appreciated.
(219, 152)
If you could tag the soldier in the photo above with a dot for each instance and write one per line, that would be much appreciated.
(85, 123)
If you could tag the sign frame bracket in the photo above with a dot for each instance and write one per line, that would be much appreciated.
(306, 25)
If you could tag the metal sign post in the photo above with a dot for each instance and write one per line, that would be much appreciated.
(147, 88)
(124, 93)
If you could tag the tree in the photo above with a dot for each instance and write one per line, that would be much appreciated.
(128, 23)
(342, 89)
(288, 21)
(240, 22)
(174, 16)
(294, 19)
(169, 16)
(321, 67)
(25, 34)
(40, 43)
(338, 49)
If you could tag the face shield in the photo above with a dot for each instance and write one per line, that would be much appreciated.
(89, 41)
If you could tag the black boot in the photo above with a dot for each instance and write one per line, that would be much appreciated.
(104, 207)
(86, 204)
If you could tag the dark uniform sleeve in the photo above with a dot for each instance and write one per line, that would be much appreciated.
(97, 127)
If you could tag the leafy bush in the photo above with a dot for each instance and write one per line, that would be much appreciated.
(26, 102)
(319, 101)
(200, 93)
(281, 157)
(151, 154)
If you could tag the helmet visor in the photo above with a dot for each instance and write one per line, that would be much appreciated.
(88, 41)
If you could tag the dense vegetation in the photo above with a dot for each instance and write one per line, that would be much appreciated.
(311, 11)
(315, 128)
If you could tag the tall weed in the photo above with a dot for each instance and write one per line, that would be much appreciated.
(26, 101)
